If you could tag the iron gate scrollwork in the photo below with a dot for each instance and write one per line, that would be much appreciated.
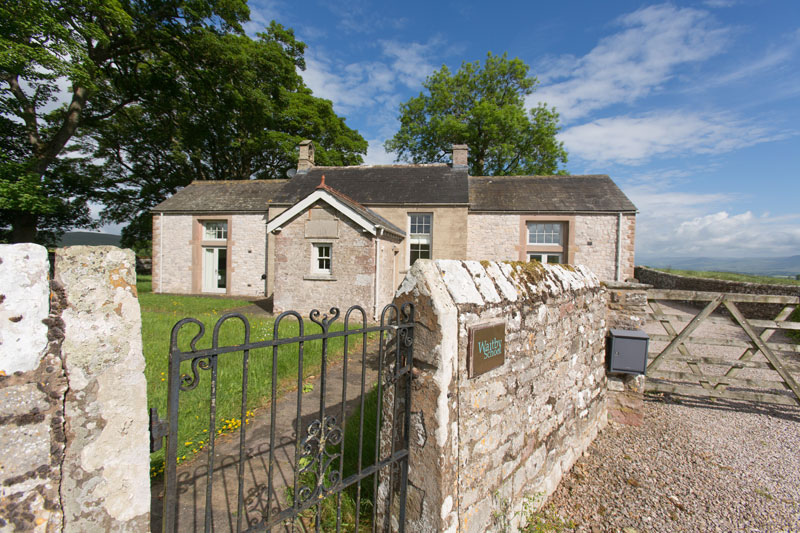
(319, 445)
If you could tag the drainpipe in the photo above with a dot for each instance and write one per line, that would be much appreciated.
(161, 252)
(377, 272)
(619, 247)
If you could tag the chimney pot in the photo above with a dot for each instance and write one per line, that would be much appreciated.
(306, 159)
(460, 155)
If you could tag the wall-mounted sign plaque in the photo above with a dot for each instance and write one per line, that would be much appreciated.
(487, 348)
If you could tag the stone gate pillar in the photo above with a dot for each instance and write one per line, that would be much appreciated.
(487, 441)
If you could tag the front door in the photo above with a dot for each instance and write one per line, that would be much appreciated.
(215, 261)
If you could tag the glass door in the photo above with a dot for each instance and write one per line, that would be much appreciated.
(215, 273)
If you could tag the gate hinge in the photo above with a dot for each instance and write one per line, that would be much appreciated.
(159, 429)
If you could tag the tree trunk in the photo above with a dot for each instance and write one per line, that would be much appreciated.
(23, 229)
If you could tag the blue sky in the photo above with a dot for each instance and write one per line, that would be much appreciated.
(693, 108)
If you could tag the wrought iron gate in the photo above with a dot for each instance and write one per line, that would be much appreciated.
(315, 475)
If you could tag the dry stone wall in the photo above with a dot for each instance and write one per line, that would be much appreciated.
(664, 280)
(74, 450)
(483, 447)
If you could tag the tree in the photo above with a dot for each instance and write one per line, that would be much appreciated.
(230, 107)
(107, 53)
(484, 108)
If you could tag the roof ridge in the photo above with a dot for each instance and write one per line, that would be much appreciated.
(268, 180)
(566, 176)
(398, 165)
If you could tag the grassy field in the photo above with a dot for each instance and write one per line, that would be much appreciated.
(160, 312)
(731, 276)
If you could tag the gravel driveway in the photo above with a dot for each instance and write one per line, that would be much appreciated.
(692, 466)
(695, 464)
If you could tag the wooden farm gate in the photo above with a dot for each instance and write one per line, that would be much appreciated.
(718, 356)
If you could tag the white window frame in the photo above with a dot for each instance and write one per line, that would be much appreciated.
(215, 230)
(416, 239)
(316, 258)
(546, 257)
(546, 234)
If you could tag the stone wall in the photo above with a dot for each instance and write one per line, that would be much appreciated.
(596, 244)
(664, 280)
(627, 304)
(248, 255)
(352, 279)
(493, 237)
(449, 239)
(593, 242)
(172, 258)
(389, 260)
(74, 454)
(144, 265)
(627, 309)
(482, 447)
(178, 260)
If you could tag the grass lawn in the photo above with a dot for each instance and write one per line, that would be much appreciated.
(160, 312)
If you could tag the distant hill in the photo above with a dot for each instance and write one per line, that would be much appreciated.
(764, 266)
(88, 238)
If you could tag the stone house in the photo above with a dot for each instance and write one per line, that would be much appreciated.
(340, 236)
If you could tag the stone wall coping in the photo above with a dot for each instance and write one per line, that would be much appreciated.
(729, 282)
(491, 282)
(626, 285)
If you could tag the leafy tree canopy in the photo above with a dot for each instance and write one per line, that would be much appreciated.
(162, 92)
(101, 50)
(230, 107)
(482, 106)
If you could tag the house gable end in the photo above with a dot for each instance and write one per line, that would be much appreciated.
(324, 196)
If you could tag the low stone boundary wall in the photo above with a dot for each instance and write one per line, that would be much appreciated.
(74, 452)
(664, 280)
(483, 447)
(144, 265)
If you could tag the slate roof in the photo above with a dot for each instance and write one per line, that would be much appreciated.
(551, 194)
(408, 184)
(223, 196)
(365, 212)
(389, 184)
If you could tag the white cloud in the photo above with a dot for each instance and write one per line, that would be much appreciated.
(635, 140)
(632, 63)
(372, 90)
(261, 13)
(411, 61)
(362, 16)
(720, 3)
(658, 202)
(722, 234)
(777, 58)
(377, 154)
(677, 224)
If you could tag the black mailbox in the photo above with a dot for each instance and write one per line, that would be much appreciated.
(627, 351)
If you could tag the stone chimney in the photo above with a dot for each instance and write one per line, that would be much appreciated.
(460, 153)
(306, 160)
